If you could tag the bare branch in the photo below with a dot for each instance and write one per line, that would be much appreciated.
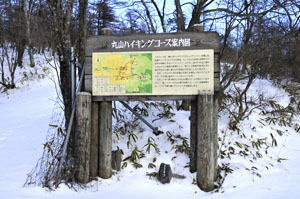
(161, 16)
(149, 16)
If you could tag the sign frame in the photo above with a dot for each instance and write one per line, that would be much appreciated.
(141, 43)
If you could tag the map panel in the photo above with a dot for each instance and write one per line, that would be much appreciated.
(123, 73)
(187, 72)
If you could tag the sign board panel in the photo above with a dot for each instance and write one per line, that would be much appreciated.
(176, 72)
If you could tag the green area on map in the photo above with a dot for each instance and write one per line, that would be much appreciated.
(133, 70)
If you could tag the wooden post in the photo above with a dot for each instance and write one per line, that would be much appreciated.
(116, 160)
(105, 139)
(94, 140)
(215, 136)
(205, 146)
(82, 136)
(193, 137)
(193, 122)
(105, 132)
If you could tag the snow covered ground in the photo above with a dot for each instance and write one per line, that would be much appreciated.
(24, 118)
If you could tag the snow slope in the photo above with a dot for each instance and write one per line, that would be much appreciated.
(24, 117)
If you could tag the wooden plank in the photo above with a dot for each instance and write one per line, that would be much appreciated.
(217, 85)
(82, 136)
(203, 40)
(216, 67)
(143, 98)
(217, 62)
(94, 140)
(205, 146)
(216, 75)
(105, 139)
(193, 137)
(88, 66)
(215, 135)
(88, 83)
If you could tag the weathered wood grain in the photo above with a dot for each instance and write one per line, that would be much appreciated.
(144, 98)
(216, 63)
(193, 137)
(205, 146)
(94, 140)
(88, 83)
(198, 40)
(215, 135)
(116, 160)
(105, 139)
(82, 136)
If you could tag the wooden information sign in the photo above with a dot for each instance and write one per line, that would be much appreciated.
(177, 66)
(151, 67)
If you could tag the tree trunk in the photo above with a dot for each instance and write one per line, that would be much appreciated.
(61, 20)
(196, 14)
(180, 17)
(27, 14)
(20, 48)
(82, 33)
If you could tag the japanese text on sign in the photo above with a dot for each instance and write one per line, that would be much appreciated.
(182, 71)
(188, 72)
(156, 43)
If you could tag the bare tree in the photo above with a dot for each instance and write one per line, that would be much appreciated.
(179, 16)
(8, 66)
(27, 9)
(82, 32)
(61, 13)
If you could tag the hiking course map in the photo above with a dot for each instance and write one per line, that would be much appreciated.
(123, 73)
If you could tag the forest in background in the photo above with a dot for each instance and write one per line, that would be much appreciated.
(259, 37)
